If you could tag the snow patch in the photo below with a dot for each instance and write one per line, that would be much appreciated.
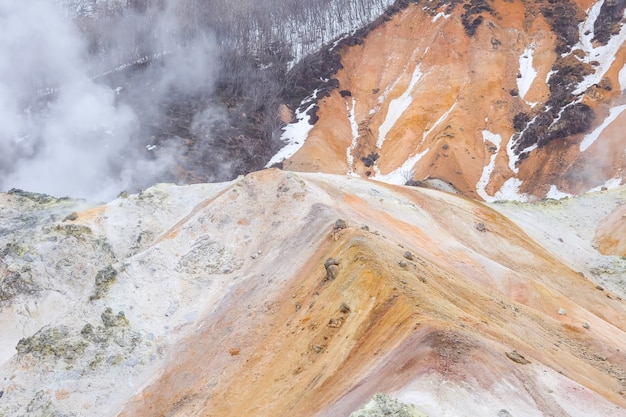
(604, 55)
(399, 176)
(354, 127)
(589, 139)
(488, 169)
(295, 134)
(527, 72)
(555, 194)
(398, 106)
(439, 121)
(622, 78)
(439, 16)
(609, 185)
(586, 28)
(510, 192)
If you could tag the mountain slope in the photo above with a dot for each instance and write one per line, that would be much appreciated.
(501, 99)
(223, 299)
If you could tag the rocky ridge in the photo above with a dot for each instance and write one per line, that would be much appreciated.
(298, 293)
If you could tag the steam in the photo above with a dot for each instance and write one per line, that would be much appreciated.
(63, 130)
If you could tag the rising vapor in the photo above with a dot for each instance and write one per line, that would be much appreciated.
(66, 132)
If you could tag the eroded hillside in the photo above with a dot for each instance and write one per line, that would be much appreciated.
(501, 99)
(299, 294)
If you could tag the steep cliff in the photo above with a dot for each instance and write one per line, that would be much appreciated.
(501, 99)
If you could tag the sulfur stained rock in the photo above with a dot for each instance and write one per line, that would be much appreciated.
(384, 405)
(104, 279)
(111, 320)
(52, 342)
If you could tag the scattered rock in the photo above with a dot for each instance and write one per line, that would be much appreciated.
(16, 283)
(104, 279)
(336, 323)
(481, 227)
(402, 264)
(111, 320)
(73, 230)
(344, 308)
(586, 325)
(340, 224)
(599, 287)
(317, 348)
(504, 413)
(87, 330)
(561, 312)
(234, 351)
(517, 358)
(52, 342)
(298, 306)
(408, 255)
(71, 217)
(332, 268)
(331, 272)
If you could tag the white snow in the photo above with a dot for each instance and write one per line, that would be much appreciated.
(510, 191)
(295, 134)
(398, 106)
(439, 121)
(354, 127)
(604, 55)
(622, 78)
(527, 72)
(514, 158)
(555, 194)
(586, 28)
(400, 175)
(488, 169)
(439, 16)
(609, 185)
(589, 139)
(511, 143)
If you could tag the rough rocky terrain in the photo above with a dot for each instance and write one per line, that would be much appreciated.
(305, 294)
(328, 289)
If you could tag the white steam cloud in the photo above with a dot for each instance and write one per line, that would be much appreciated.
(65, 132)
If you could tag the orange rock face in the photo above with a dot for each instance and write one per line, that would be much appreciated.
(421, 98)
(611, 235)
